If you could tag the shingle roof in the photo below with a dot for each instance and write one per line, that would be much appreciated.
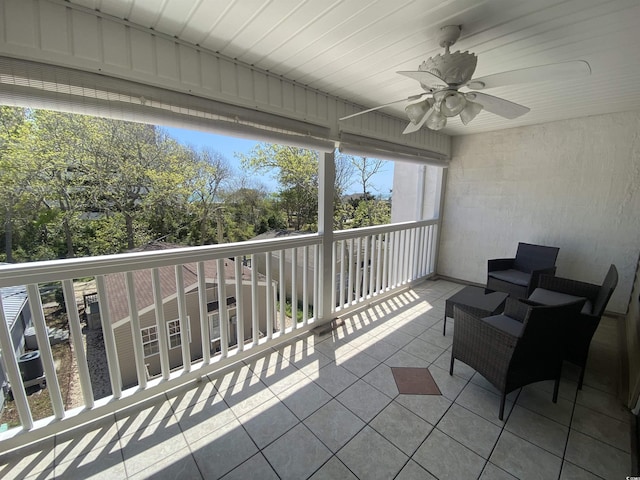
(117, 289)
(13, 301)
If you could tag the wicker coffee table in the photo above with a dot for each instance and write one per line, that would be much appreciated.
(477, 300)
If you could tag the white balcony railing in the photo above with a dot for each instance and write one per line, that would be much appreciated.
(271, 290)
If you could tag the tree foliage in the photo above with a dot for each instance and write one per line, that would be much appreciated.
(75, 185)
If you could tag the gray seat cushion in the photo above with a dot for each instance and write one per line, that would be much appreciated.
(549, 297)
(512, 276)
(506, 324)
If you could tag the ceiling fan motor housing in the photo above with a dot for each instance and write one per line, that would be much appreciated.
(454, 68)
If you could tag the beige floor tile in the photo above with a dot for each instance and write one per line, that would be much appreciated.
(180, 464)
(443, 457)
(600, 426)
(334, 424)
(413, 471)
(539, 430)
(539, 401)
(104, 462)
(603, 402)
(484, 403)
(491, 472)
(332, 470)
(204, 417)
(428, 407)
(297, 454)
(382, 378)
(334, 378)
(223, 450)
(304, 399)
(596, 456)
(471, 430)
(401, 427)
(268, 421)
(573, 472)
(27, 460)
(255, 467)
(523, 459)
(136, 418)
(363, 400)
(450, 385)
(371, 456)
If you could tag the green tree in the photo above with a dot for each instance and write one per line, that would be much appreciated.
(296, 171)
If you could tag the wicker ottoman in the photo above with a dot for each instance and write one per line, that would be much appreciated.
(477, 300)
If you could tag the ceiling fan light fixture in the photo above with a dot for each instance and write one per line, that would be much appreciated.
(470, 111)
(452, 103)
(416, 111)
(436, 120)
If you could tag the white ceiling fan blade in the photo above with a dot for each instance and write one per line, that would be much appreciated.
(553, 72)
(498, 106)
(406, 99)
(414, 127)
(425, 78)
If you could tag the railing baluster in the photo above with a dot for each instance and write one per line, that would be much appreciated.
(294, 288)
(431, 249)
(37, 315)
(373, 266)
(78, 344)
(182, 320)
(204, 314)
(268, 295)
(13, 372)
(385, 266)
(358, 269)
(334, 280)
(412, 253)
(161, 324)
(283, 297)
(379, 245)
(238, 270)
(136, 332)
(365, 267)
(351, 273)
(316, 280)
(343, 260)
(305, 285)
(113, 362)
(255, 312)
(223, 314)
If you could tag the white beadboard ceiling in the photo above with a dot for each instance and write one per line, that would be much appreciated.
(353, 48)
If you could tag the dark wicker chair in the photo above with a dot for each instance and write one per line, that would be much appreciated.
(554, 290)
(519, 347)
(518, 276)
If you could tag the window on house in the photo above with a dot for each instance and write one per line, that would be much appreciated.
(173, 330)
(214, 326)
(149, 340)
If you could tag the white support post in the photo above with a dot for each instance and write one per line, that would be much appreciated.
(268, 296)
(204, 314)
(78, 344)
(13, 372)
(294, 288)
(240, 305)
(136, 332)
(161, 324)
(109, 339)
(222, 308)
(183, 320)
(283, 293)
(305, 285)
(255, 311)
(327, 174)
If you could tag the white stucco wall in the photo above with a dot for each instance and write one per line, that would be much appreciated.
(574, 184)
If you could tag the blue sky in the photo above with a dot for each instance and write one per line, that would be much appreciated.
(229, 146)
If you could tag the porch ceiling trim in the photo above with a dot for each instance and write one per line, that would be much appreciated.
(60, 34)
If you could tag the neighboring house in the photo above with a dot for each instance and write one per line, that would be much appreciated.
(18, 316)
(120, 316)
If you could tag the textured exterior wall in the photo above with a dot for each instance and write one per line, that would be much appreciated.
(574, 184)
(633, 344)
(410, 182)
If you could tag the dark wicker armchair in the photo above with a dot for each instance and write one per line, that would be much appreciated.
(554, 290)
(518, 276)
(519, 347)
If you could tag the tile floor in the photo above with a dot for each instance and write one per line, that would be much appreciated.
(328, 408)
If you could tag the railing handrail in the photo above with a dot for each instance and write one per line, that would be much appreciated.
(70, 268)
(376, 229)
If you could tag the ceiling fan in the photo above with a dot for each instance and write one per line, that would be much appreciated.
(441, 77)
